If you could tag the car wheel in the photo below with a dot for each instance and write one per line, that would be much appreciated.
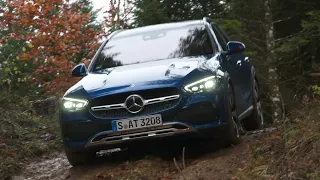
(233, 135)
(79, 158)
(255, 121)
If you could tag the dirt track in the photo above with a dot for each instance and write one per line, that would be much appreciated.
(203, 160)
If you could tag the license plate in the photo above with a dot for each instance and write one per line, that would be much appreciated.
(136, 123)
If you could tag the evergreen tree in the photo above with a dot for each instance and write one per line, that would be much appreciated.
(153, 11)
(148, 12)
(118, 15)
(86, 7)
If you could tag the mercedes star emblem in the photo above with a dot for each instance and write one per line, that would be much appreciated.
(134, 103)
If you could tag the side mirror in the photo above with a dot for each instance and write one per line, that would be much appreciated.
(79, 70)
(235, 47)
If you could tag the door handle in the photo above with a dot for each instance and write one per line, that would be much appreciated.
(239, 63)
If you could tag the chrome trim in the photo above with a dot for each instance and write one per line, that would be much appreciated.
(108, 107)
(240, 117)
(134, 104)
(145, 102)
(167, 129)
(161, 99)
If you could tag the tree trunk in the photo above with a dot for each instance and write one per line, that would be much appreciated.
(272, 70)
(118, 15)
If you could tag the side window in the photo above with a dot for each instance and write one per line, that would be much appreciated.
(222, 40)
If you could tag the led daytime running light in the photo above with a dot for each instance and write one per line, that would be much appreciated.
(74, 104)
(206, 83)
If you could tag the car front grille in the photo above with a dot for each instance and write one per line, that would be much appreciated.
(160, 100)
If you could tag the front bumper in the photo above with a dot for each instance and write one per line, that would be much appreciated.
(193, 114)
(167, 129)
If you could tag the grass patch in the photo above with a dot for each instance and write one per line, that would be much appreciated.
(23, 135)
(292, 152)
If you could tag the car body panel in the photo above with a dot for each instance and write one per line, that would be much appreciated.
(198, 111)
(240, 72)
(143, 74)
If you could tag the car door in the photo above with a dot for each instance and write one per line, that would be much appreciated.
(239, 69)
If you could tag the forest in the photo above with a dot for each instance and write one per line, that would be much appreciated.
(42, 40)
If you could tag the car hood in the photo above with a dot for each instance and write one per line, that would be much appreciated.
(135, 76)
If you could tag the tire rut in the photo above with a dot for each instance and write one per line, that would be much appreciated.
(203, 159)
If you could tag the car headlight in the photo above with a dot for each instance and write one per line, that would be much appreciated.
(205, 84)
(72, 104)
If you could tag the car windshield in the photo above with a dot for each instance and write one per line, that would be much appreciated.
(185, 41)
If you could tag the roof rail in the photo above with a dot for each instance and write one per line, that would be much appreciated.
(207, 19)
(115, 32)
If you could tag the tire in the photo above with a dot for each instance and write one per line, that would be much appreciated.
(233, 135)
(79, 158)
(255, 120)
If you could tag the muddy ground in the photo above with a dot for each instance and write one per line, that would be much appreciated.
(203, 160)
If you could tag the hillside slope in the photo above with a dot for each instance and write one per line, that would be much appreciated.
(292, 151)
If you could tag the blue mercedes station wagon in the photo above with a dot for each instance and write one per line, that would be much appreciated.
(181, 79)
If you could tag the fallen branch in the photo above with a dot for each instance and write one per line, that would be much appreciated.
(183, 161)
(283, 108)
(176, 164)
(314, 74)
